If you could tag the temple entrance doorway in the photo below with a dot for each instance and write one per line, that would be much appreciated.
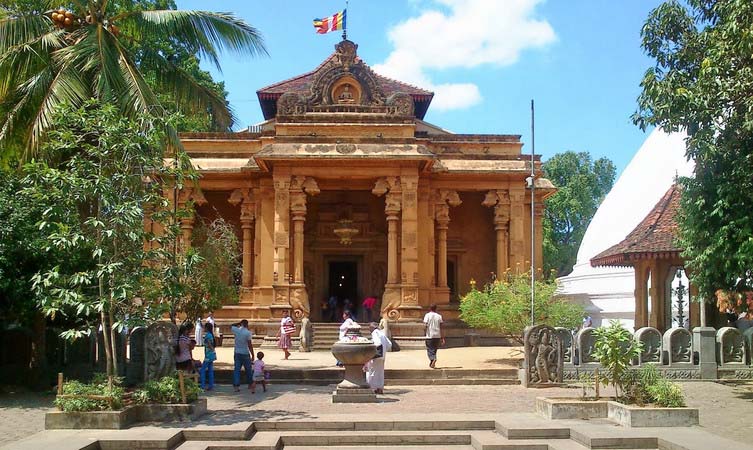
(343, 285)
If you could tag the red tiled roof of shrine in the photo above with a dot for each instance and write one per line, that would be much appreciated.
(302, 83)
(653, 238)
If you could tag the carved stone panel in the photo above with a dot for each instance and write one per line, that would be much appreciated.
(678, 346)
(159, 348)
(652, 345)
(543, 355)
(584, 345)
(567, 344)
(730, 348)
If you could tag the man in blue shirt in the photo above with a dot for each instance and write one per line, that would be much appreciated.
(244, 353)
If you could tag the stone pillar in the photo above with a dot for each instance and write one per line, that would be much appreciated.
(518, 250)
(704, 351)
(188, 198)
(409, 308)
(390, 187)
(299, 187)
(281, 281)
(264, 249)
(445, 199)
(500, 200)
(244, 198)
(641, 295)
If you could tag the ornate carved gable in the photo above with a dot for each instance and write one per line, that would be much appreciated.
(343, 83)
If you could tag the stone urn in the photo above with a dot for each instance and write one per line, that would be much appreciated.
(354, 354)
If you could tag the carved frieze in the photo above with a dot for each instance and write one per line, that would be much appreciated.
(652, 345)
(543, 355)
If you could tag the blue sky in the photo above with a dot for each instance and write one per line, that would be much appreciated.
(580, 60)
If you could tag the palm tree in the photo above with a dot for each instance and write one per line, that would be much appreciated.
(51, 56)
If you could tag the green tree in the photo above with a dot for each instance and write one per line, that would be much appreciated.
(582, 185)
(94, 49)
(504, 306)
(702, 83)
(108, 171)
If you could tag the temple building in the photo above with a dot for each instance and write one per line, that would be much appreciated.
(345, 191)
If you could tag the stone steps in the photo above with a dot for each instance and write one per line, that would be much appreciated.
(393, 377)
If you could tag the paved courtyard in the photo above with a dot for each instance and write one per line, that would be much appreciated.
(725, 410)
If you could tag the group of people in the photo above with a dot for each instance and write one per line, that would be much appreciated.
(334, 308)
(253, 364)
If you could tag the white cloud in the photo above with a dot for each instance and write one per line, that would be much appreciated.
(464, 34)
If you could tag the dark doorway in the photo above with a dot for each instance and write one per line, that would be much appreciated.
(343, 284)
(451, 277)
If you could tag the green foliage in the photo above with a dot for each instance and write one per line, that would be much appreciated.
(100, 55)
(97, 182)
(167, 390)
(615, 348)
(667, 394)
(701, 83)
(202, 278)
(504, 306)
(582, 185)
(98, 387)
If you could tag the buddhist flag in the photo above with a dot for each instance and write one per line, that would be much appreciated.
(334, 22)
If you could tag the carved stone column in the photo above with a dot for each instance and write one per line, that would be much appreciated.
(409, 308)
(299, 188)
(244, 198)
(391, 189)
(445, 199)
(189, 197)
(281, 279)
(500, 200)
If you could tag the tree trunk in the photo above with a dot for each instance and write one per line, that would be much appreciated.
(106, 339)
(113, 342)
(39, 342)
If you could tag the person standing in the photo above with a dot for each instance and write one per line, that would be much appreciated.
(243, 354)
(287, 328)
(375, 372)
(368, 306)
(198, 332)
(183, 360)
(434, 336)
(206, 374)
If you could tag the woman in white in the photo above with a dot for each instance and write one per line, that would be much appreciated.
(375, 372)
(347, 323)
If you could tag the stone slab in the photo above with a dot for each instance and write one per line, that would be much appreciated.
(634, 416)
(556, 409)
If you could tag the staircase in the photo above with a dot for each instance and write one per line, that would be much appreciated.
(327, 333)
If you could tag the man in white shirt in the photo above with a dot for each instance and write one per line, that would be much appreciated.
(434, 336)
(243, 354)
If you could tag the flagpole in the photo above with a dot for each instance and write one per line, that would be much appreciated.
(533, 218)
(345, 25)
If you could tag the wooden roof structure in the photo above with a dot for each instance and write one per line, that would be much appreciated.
(654, 238)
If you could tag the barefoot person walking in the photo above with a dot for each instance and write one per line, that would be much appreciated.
(434, 336)
(287, 328)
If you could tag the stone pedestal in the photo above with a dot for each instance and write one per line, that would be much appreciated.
(353, 388)
(704, 348)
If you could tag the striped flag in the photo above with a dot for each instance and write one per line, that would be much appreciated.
(334, 22)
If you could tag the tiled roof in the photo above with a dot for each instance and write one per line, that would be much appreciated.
(653, 238)
(302, 83)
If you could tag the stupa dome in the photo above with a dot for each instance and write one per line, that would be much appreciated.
(607, 292)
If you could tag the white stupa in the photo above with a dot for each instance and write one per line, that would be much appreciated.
(607, 292)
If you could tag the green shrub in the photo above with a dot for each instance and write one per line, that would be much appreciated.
(615, 348)
(167, 390)
(667, 394)
(99, 387)
(504, 305)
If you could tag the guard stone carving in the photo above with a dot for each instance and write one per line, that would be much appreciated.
(159, 348)
(543, 355)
